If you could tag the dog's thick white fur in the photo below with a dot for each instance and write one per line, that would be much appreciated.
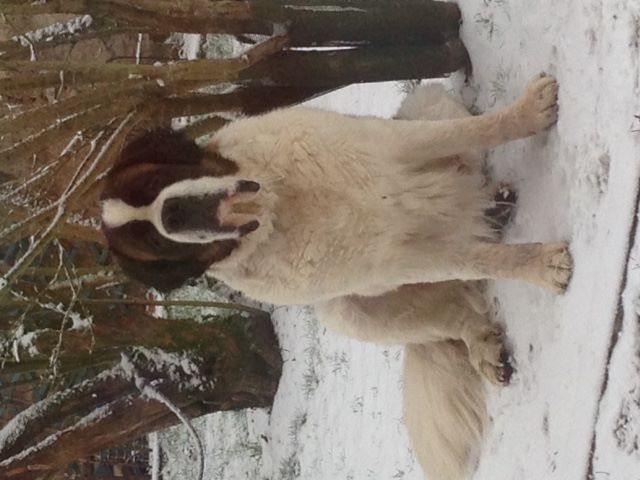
(364, 205)
(381, 225)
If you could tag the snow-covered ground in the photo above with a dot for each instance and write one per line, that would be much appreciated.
(573, 408)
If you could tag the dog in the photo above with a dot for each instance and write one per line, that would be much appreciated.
(381, 224)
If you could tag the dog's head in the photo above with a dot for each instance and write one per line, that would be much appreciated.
(170, 209)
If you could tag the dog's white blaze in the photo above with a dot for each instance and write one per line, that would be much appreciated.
(116, 213)
(199, 236)
(197, 186)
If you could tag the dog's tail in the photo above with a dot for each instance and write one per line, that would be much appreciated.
(444, 409)
(430, 102)
(433, 102)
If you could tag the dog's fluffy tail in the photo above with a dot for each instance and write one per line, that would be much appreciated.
(430, 102)
(444, 409)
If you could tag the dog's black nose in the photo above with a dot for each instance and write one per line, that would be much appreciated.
(247, 186)
(190, 213)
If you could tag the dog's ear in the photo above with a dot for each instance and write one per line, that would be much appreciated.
(163, 275)
(154, 160)
(140, 263)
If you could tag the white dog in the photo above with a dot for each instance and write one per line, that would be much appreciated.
(381, 224)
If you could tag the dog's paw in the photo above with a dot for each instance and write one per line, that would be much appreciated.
(537, 109)
(490, 357)
(557, 266)
(504, 205)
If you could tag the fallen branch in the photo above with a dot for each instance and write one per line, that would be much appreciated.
(149, 391)
(25, 75)
(148, 302)
(112, 410)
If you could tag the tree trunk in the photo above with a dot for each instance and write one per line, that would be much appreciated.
(329, 69)
(356, 22)
(251, 101)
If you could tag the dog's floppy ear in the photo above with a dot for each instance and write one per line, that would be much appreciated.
(163, 275)
(167, 274)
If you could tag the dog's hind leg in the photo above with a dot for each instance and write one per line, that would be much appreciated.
(424, 313)
(450, 345)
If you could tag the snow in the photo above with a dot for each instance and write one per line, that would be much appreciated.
(578, 183)
(49, 33)
(573, 408)
(24, 342)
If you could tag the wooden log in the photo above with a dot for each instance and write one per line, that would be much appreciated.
(355, 22)
(249, 100)
(329, 69)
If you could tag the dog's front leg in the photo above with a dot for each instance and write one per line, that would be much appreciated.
(544, 264)
(533, 112)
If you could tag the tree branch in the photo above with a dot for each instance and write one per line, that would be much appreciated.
(74, 191)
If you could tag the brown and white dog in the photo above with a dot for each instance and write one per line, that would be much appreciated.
(378, 223)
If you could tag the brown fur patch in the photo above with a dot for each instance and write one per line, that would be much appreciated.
(166, 275)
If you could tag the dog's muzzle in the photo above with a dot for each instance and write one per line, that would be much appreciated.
(201, 217)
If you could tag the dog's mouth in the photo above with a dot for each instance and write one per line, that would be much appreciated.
(205, 217)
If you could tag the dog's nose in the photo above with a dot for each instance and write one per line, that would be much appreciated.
(191, 213)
